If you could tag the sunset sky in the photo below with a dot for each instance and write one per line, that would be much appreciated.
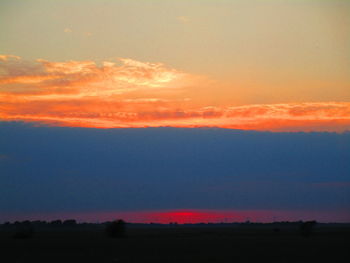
(279, 68)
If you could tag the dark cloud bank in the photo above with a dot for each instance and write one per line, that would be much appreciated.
(54, 169)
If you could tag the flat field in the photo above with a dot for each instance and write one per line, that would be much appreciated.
(179, 244)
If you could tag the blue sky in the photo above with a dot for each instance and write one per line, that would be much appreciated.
(65, 170)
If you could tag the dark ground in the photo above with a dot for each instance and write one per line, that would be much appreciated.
(179, 244)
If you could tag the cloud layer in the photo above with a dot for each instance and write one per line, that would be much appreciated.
(130, 93)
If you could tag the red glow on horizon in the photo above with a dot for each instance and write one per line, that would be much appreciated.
(192, 216)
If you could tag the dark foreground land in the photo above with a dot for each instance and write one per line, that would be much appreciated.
(149, 243)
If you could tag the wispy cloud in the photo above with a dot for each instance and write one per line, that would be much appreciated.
(183, 19)
(83, 78)
(67, 30)
(130, 93)
(7, 57)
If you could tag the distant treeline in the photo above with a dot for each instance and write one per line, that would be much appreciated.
(72, 223)
(117, 228)
(26, 229)
(39, 224)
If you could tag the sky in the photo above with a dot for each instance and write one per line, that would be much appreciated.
(233, 174)
(270, 79)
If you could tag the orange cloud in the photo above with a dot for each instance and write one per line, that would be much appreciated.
(87, 78)
(136, 94)
(7, 57)
(67, 30)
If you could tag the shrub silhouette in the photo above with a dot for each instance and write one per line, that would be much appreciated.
(56, 223)
(23, 230)
(307, 228)
(69, 222)
(116, 229)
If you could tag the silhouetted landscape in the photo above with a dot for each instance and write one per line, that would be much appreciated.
(69, 241)
(174, 131)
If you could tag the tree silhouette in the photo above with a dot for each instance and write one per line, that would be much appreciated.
(116, 229)
(307, 228)
(69, 222)
(23, 230)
